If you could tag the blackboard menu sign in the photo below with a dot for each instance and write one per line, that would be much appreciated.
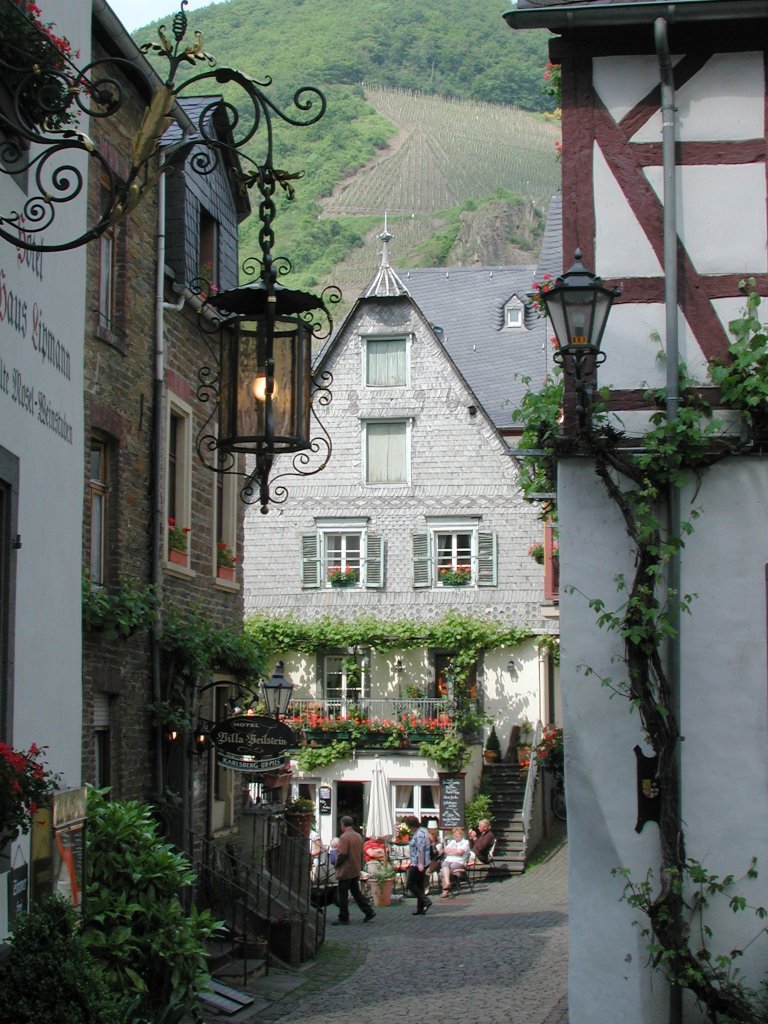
(325, 799)
(451, 799)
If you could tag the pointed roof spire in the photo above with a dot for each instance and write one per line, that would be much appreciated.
(385, 283)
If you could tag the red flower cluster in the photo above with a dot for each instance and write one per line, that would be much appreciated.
(550, 752)
(539, 290)
(24, 782)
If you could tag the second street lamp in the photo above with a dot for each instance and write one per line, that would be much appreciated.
(578, 305)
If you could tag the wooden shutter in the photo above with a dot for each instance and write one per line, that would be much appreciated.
(374, 560)
(486, 559)
(311, 576)
(422, 563)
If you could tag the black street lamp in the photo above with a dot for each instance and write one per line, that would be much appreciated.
(277, 692)
(578, 305)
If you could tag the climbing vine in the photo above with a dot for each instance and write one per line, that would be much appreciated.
(670, 452)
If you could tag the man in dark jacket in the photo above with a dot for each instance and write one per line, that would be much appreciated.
(349, 860)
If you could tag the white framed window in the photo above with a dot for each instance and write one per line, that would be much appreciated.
(343, 546)
(387, 451)
(454, 554)
(386, 362)
(178, 465)
(346, 681)
(514, 313)
(419, 799)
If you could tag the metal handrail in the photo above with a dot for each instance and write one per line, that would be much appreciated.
(530, 786)
(243, 894)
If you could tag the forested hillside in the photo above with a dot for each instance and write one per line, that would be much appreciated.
(433, 109)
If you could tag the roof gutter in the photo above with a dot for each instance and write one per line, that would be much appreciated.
(561, 17)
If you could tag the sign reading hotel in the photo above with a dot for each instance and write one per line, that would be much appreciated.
(251, 743)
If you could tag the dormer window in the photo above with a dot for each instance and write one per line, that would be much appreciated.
(513, 314)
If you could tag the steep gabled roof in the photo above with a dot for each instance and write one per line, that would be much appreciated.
(466, 306)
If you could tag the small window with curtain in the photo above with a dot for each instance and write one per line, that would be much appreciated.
(102, 735)
(179, 483)
(386, 452)
(107, 281)
(97, 512)
(386, 362)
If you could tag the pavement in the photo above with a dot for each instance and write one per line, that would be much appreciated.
(498, 955)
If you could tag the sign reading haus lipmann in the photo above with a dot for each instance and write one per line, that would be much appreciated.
(251, 743)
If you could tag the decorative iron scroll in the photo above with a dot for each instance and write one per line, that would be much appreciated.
(44, 94)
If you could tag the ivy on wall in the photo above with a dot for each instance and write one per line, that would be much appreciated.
(638, 479)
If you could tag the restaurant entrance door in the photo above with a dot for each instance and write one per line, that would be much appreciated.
(349, 800)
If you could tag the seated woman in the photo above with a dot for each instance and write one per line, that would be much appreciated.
(374, 854)
(455, 856)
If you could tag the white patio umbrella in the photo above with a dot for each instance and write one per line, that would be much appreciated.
(379, 822)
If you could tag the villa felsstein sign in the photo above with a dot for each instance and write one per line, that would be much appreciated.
(251, 743)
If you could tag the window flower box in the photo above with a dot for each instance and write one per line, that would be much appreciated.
(461, 576)
(178, 542)
(178, 557)
(343, 576)
(225, 572)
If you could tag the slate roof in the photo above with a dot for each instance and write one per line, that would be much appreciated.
(465, 306)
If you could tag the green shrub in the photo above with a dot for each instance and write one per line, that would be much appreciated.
(137, 928)
(477, 808)
(50, 975)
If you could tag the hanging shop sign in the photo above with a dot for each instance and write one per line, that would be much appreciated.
(251, 743)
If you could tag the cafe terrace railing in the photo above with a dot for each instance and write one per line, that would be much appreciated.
(387, 709)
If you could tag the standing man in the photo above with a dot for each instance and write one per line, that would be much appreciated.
(418, 850)
(349, 861)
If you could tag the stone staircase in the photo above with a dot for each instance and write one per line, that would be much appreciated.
(505, 784)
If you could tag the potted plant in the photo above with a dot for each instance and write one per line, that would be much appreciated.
(300, 815)
(178, 542)
(225, 561)
(382, 883)
(458, 577)
(37, 69)
(492, 751)
(402, 833)
(536, 552)
(343, 576)
(524, 746)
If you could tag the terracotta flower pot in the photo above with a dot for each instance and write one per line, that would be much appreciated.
(225, 572)
(381, 892)
(178, 557)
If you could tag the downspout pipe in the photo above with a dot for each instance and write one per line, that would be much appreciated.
(158, 405)
(671, 289)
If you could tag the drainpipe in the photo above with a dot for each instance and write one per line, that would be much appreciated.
(156, 530)
(668, 119)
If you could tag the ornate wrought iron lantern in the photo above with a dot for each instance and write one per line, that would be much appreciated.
(262, 385)
(578, 305)
(277, 692)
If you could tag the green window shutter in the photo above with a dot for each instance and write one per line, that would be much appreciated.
(422, 563)
(311, 576)
(374, 561)
(486, 559)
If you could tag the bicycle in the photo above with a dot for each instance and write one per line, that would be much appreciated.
(557, 797)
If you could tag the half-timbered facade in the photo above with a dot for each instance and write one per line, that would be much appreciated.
(664, 192)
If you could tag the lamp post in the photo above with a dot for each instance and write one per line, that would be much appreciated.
(578, 305)
(277, 692)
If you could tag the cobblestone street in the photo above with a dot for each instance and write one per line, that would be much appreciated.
(498, 955)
